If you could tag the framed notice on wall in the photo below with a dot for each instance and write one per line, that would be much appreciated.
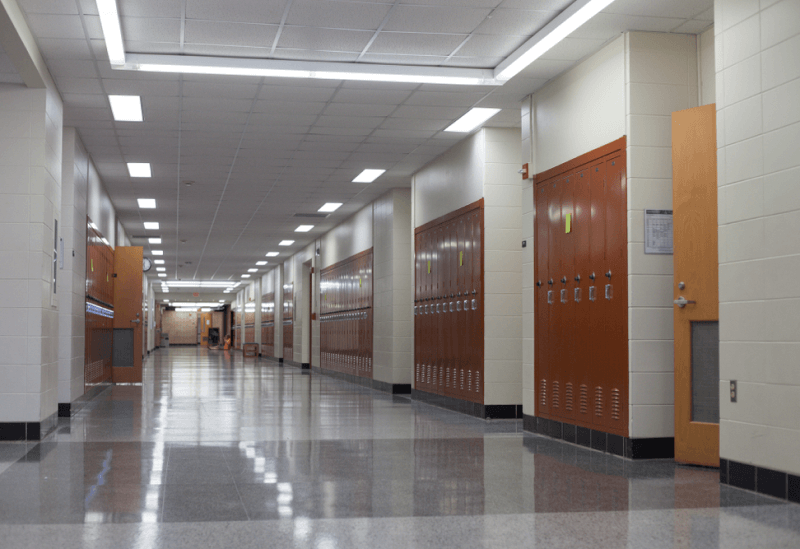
(658, 231)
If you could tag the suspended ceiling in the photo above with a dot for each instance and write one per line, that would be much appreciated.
(234, 159)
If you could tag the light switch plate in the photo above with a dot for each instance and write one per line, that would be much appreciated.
(733, 390)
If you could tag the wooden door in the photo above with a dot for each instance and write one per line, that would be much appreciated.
(694, 166)
(127, 356)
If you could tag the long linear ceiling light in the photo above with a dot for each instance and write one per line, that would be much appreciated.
(112, 31)
(564, 24)
(202, 283)
(308, 69)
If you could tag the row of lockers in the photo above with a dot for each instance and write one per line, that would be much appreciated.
(347, 285)
(346, 326)
(99, 266)
(268, 324)
(448, 306)
(581, 340)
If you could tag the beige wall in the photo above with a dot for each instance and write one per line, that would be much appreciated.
(758, 136)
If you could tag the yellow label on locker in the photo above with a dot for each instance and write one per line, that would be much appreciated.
(429, 267)
(568, 226)
(92, 262)
(106, 277)
(460, 259)
(359, 282)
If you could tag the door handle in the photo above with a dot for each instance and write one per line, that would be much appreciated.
(682, 302)
(135, 321)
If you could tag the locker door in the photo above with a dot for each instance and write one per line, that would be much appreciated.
(565, 298)
(476, 305)
(598, 305)
(542, 309)
(615, 404)
(555, 347)
(582, 343)
(436, 304)
(468, 360)
(417, 316)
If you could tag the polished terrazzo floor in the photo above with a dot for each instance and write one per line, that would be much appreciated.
(214, 450)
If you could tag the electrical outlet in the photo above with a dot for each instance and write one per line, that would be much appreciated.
(733, 390)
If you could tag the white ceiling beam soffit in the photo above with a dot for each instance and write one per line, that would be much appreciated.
(575, 15)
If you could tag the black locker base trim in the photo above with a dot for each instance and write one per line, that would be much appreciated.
(64, 409)
(382, 386)
(305, 366)
(632, 448)
(474, 409)
(280, 360)
(769, 482)
(31, 430)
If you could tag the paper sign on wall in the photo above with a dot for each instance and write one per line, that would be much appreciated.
(460, 259)
(658, 231)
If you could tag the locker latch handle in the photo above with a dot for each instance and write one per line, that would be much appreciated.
(578, 278)
(577, 295)
(563, 279)
(608, 274)
(592, 296)
(550, 282)
(538, 283)
(609, 291)
(591, 276)
(550, 297)
(564, 298)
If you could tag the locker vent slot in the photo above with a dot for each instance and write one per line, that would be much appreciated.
(615, 404)
(447, 379)
(428, 373)
(435, 371)
(469, 381)
(462, 379)
(543, 393)
(584, 399)
(598, 401)
(477, 382)
(568, 397)
(555, 395)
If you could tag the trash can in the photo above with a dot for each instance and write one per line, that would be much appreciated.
(165, 340)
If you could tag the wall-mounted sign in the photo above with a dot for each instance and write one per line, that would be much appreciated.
(658, 231)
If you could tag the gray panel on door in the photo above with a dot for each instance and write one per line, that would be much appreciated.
(705, 372)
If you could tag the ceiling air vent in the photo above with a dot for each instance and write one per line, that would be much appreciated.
(311, 215)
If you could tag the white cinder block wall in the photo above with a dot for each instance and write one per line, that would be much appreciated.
(30, 180)
(661, 76)
(758, 137)
(72, 289)
(502, 265)
(402, 344)
(527, 222)
(486, 165)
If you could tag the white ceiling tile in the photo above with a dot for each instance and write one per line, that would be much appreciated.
(290, 107)
(516, 22)
(415, 124)
(84, 100)
(684, 9)
(47, 6)
(406, 18)
(217, 50)
(405, 43)
(312, 55)
(56, 26)
(359, 97)
(337, 14)
(78, 68)
(78, 85)
(351, 109)
(349, 121)
(54, 48)
(150, 8)
(136, 46)
(94, 30)
(474, 62)
(489, 45)
(146, 29)
(446, 99)
(230, 34)
(334, 40)
(242, 11)
(390, 59)
(418, 111)
(693, 26)
(604, 26)
(219, 87)
(573, 49)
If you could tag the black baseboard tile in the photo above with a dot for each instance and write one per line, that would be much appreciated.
(280, 360)
(502, 411)
(11, 431)
(770, 482)
(305, 366)
(292, 363)
(64, 409)
(401, 388)
(641, 448)
(473, 409)
(794, 488)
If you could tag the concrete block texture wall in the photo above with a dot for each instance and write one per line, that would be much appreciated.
(486, 165)
(758, 136)
(72, 290)
(30, 181)
(661, 76)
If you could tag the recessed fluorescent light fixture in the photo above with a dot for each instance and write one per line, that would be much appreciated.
(252, 270)
(158, 261)
(274, 254)
(260, 263)
(158, 252)
(330, 207)
(112, 32)
(149, 203)
(161, 269)
(154, 240)
(222, 301)
(578, 13)
(285, 243)
(368, 176)
(277, 68)
(474, 118)
(151, 225)
(303, 228)
(162, 274)
(139, 169)
(126, 108)
(245, 276)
